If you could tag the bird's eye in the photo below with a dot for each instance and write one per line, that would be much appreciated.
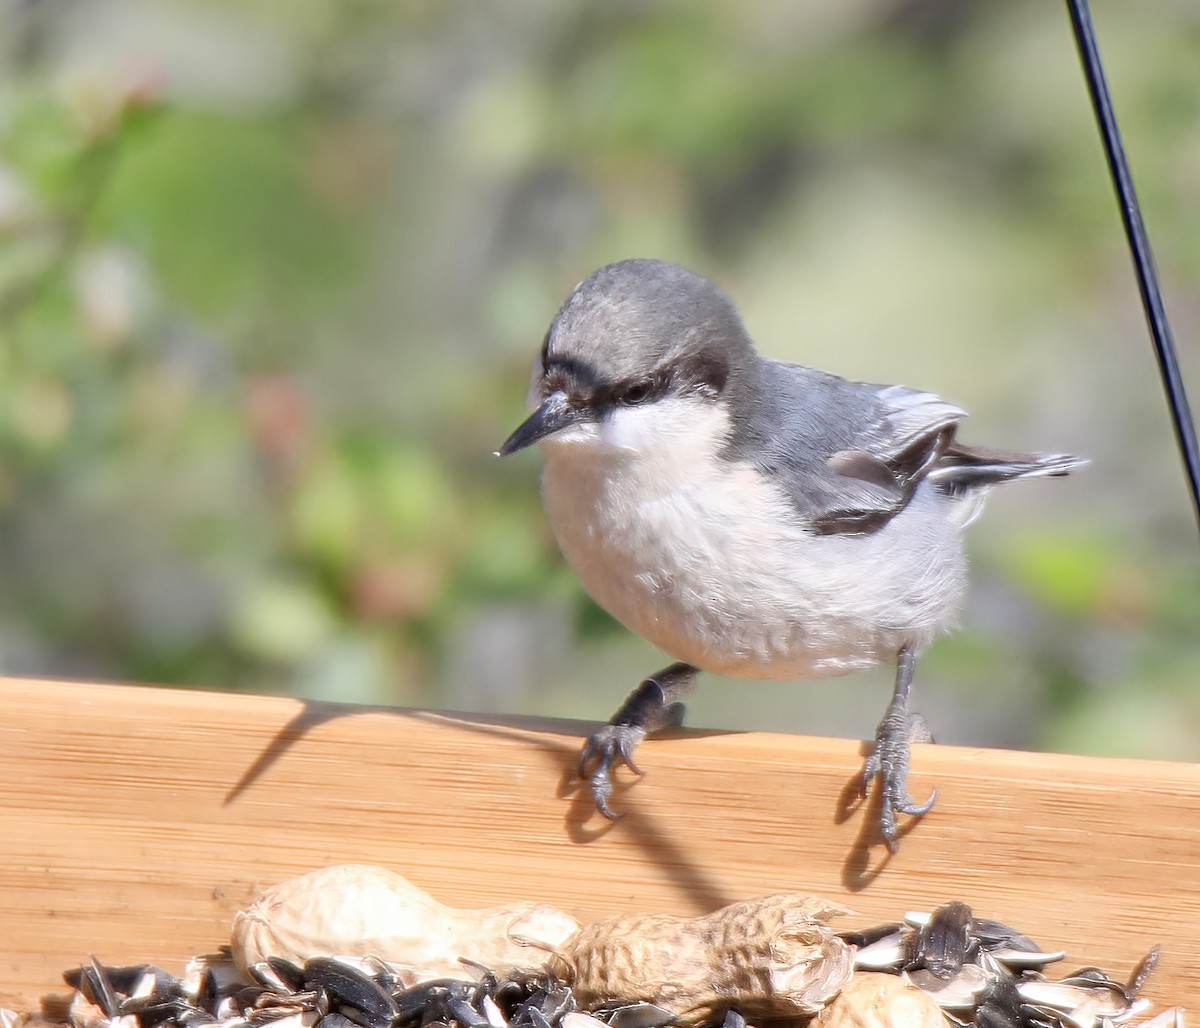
(637, 394)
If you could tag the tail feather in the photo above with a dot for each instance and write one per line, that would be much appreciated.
(963, 469)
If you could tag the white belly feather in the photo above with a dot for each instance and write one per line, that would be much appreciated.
(705, 558)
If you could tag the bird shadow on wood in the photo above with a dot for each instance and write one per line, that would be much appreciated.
(582, 822)
(586, 825)
(310, 715)
(314, 713)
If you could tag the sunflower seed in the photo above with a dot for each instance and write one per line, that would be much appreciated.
(636, 1015)
(961, 992)
(944, 941)
(884, 954)
(352, 992)
(1023, 959)
(1141, 973)
(994, 935)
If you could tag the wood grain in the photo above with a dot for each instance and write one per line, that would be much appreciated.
(135, 821)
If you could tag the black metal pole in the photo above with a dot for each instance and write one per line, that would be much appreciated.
(1139, 245)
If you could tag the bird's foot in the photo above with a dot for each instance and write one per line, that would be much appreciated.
(653, 705)
(606, 749)
(889, 763)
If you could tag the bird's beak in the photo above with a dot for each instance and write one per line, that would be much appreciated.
(555, 414)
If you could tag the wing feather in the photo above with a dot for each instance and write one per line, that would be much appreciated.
(849, 455)
(892, 455)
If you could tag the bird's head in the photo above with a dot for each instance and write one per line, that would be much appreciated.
(637, 354)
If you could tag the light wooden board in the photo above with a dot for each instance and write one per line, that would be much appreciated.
(135, 821)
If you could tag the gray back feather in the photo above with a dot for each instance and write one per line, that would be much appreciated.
(848, 455)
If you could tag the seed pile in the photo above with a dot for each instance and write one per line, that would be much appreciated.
(987, 974)
(976, 972)
(325, 992)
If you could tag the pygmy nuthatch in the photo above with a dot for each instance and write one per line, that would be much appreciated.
(748, 517)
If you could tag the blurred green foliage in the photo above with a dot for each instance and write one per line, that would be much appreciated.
(271, 277)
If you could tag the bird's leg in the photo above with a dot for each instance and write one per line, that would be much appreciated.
(653, 705)
(889, 760)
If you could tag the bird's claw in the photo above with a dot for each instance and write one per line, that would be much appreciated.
(889, 763)
(605, 749)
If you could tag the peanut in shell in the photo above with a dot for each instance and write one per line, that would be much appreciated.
(772, 957)
(356, 910)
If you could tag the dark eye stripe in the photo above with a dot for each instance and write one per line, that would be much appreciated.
(701, 373)
(574, 375)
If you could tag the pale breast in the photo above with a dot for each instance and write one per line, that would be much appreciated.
(714, 569)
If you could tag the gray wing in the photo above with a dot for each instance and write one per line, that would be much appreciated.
(849, 455)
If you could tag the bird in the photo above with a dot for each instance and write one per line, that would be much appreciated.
(749, 517)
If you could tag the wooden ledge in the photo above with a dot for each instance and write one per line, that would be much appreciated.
(135, 821)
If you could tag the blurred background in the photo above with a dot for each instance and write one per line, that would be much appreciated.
(272, 276)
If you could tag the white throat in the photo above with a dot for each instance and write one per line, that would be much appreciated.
(677, 438)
